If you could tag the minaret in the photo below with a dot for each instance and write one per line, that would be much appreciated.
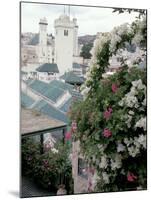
(43, 40)
(75, 38)
(64, 45)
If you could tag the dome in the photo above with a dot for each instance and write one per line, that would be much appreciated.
(64, 17)
(43, 21)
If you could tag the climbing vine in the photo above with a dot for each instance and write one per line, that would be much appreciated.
(111, 120)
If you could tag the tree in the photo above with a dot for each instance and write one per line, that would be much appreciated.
(85, 53)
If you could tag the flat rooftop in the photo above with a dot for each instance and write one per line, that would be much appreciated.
(32, 121)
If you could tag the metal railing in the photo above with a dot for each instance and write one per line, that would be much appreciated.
(44, 131)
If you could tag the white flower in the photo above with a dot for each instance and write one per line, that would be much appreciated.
(116, 163)
(97, 47)
(130, 101)
(104, 162)
(133, 91)
(121, 103)
(133, 151)
(120, 147)
(137, 39)
(138, 84)
(141, 123)
(101, 147)
(128, 119)
(54, 150)
(95, 179)
(131, 112)
(93, 158)
(144, 102)
(142, 140)
(105, 177)
(115, 39)
(85, 91)
(128, 141)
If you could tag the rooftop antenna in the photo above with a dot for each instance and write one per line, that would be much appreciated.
(69, 10)
(64, 9)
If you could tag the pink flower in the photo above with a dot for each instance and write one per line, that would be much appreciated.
(131, 177)
(74, 126)
(107, 133)
(68, 136)
(114, 88)
(110, 109)
(107, 113)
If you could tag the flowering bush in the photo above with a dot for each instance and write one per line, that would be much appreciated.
(49, 169)
(111, 121)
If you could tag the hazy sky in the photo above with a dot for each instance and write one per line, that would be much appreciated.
(90, 19)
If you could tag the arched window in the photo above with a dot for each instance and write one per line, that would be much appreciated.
(65, 32)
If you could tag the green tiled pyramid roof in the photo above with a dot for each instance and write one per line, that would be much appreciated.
(60, 84)
(70, 77)
(51, 111)
(50, 91)
(54, 93)
(26, 101)
(48, 67)
(65, 107)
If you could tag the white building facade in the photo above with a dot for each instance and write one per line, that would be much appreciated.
(66, 42)
(43, 50)
(63, 49)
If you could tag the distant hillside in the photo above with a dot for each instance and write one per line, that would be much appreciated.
(86, 39)
(32, 38)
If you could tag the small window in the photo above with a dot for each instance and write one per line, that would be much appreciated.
(52, 60)
(65, 32)
(82, 168)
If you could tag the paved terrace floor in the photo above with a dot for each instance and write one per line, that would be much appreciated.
(30, 189)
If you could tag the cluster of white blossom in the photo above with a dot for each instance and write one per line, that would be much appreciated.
(117, 33)
(101, 147)
(105, 177)
(133, 150)
(141, 123)
(137, 39)
(101, 39)
(135, 144)
(142, 140)
(139, 85)
(54, 150)
(85, 91)
(116, 163)
(94, 180)
(120, 147)
(104, 162)
(141, 24)
(130, 58)
(128, 119)
(144, 102)
(130, 99)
